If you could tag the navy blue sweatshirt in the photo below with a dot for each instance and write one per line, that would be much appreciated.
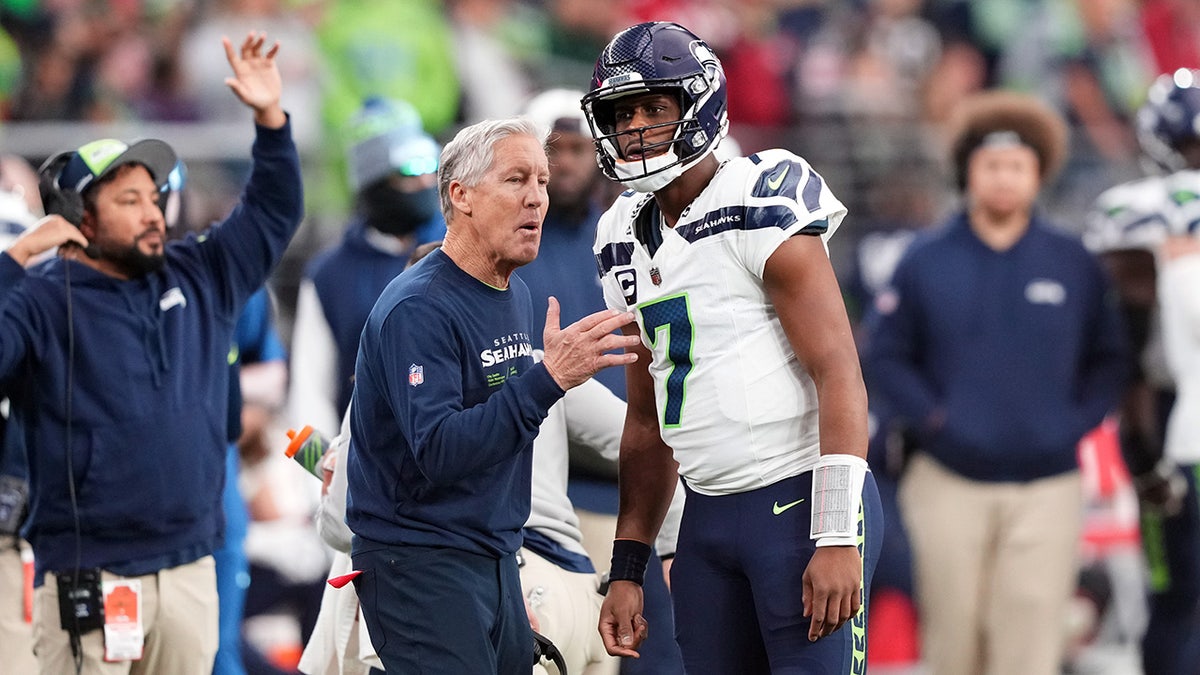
(447, 402)
(1015, 354)
(149, 388)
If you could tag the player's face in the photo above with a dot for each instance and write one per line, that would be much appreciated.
(635, 113)
(128, 226)
(1003, 180)
(509, 203)
(573, 169)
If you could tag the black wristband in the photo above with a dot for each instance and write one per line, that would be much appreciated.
(629, 558)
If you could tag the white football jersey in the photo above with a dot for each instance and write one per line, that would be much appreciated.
(1180, 303)
(734, 403)
(1140, 215)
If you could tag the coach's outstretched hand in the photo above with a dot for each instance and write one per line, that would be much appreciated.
(575, 353)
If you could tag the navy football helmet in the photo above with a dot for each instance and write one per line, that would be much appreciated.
(1170, 118)
(657, 56)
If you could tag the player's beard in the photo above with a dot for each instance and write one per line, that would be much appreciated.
(133, 261)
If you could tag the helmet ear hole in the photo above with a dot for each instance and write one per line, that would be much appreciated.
(55, 198)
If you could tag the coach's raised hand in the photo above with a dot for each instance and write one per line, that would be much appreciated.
(575, 353)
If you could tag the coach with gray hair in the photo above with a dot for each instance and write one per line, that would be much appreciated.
(447, 401)
(999, 345)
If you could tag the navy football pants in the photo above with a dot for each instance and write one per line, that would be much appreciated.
(444, 611)
(737, 583)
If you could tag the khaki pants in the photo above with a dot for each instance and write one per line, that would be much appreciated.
(995, 568)
(598, 530)
(179, 610)
(16, 636)
(567, 607)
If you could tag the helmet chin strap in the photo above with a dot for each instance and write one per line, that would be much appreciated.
(632, 174)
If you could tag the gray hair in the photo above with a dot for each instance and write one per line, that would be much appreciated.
(470, 154)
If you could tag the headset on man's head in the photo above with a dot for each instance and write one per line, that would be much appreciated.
(56, 199)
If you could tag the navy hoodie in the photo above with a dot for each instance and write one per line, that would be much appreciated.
(142, 412)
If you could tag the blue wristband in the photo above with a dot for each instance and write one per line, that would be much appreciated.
(629, 558)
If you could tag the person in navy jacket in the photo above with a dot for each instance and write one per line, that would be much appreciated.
(999, 345)
(116, 354)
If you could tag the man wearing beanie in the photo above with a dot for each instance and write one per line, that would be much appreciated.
(999, 346)
(392, 166)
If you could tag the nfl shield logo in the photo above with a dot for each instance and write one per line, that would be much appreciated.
(416, 375)
(655, 276)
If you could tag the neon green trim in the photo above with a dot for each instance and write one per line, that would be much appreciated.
(1158, 572)
(99, 154)
(858, 625)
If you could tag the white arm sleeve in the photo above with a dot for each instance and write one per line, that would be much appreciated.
(312, 396)
(595, 419)
(668, 534)
(1177, 284)
(331, 514)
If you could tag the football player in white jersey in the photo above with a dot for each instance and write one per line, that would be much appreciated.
(1145, 231)
(748, 383)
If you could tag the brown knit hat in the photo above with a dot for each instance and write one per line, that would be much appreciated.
(1036, 124)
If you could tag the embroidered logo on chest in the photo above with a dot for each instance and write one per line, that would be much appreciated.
(1045, 292)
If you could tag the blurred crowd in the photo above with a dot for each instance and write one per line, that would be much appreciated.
(859, 86)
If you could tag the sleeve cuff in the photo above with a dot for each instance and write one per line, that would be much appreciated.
(10, 270)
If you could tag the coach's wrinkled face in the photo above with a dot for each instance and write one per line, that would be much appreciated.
(506, 208)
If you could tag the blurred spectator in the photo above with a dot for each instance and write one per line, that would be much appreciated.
(495, 82)
(397, 50)
(1107, 79)
(998, 349)
(300, 64)
(577, 30)
(56, 82)
(16, 627)
(1172, 29)
(393, 171)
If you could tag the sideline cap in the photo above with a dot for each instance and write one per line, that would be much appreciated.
(100, 158)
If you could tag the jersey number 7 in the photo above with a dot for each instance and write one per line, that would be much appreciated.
(670, 315)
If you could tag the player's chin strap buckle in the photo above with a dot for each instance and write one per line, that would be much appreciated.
(543, 648)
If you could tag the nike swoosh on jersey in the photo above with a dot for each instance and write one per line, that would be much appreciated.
(774, 183)
(777, 509)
